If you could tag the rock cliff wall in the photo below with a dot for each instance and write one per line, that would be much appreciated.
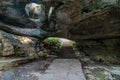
(94, 24)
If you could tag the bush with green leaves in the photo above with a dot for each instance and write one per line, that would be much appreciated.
(52, 45)
(52, 42)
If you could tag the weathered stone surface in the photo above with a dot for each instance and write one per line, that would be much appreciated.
(30, 71)
(0, 47)
(64, 69)
(110, 1)
(69, 12)
(105, 51)
(85, 21)
(6, 64)
(97, 31)
(102, 24)
(102, 72)
(6, 46)
(13, 13)
(67, 52)
(16, 45)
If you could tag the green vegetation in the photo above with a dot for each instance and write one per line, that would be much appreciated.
(75, 46)
(52, 45)
(52, 42)
(99, 73)
(118, 2)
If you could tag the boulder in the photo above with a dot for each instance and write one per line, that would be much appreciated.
(12, 45)
(6, 46)
(13, 13)
(96, 31)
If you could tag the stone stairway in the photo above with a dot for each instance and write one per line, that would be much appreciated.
(67, 52)
(67, 49)
(64, 69)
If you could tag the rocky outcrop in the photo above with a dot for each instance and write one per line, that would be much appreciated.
(103, 24)
(96, 30)
(103, 51)
(87, 22)
(98, 24)
(6, 64)
(12, 45)
(6, 47)
(12, 12)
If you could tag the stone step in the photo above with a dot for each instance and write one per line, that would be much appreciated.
(64, 69)
(6, 64)
(67, 52)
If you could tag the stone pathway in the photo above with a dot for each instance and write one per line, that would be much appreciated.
(28, 71)
(60, 69)
(67, 52)
(64, 69)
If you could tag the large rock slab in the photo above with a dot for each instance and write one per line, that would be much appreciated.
(12, 45)
(6, 47)
(64, 69)
(102, 72)
(6, 64)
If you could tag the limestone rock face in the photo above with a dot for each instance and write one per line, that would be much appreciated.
(110, 1)
(85, 21)
(67, 15)
(76, 23)
(24, 46)
(69, 12)
(0, 47)
(101, 26)
(6, 48)
(12, 12)
(12, 45)
(106, 51)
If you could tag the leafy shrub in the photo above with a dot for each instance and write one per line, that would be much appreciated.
(52, 45)
(49, 42)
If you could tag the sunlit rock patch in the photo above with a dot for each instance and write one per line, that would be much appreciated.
(6, 47)
(25, 40)
(12, 45)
